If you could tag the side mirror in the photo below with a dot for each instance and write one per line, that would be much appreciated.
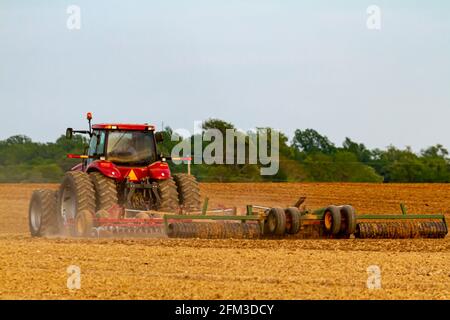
(69, 133)
(159, 136)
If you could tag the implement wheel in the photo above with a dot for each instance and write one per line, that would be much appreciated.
(349, 218)
(292, 220)
(188, 191)
(276, 222)
(83, 224)
(332, 220)
(42, 216)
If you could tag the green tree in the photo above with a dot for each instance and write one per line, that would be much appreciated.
(341, 167)
(358, 149)
(310, 157)
(309, 141)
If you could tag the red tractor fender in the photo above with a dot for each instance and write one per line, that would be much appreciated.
(107, 168)
(159, 171)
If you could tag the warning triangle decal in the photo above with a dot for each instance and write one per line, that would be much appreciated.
(132, 176)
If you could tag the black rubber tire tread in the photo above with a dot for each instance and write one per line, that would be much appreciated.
(358, 231)
(46, 201)
(280, 221)
(81, 183)
(348, 213)
(188, 191)
(293, 214)
(336, 217)
(168, 194)
(105, 191)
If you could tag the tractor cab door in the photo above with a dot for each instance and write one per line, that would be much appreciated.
(96, 146)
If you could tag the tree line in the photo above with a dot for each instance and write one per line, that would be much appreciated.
(308, 156)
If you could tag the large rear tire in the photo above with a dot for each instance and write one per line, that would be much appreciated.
(105, 191)
(75, 195)
(42, 217)
(188, 191)
(168, 195)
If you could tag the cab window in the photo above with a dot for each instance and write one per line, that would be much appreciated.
(93, 144)
(101, 143)
(96, 145)
(131, 148)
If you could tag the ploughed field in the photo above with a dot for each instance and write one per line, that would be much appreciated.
(233, 269)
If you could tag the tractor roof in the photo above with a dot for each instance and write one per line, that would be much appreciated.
(123, 126)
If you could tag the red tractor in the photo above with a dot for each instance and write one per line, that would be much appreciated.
(121, 176)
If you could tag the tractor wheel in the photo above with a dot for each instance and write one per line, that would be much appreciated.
(42, 216)
(105, 191)
(349, 216)
(188, 191)
(332, 220)
(83, 224)
(168, 195)
(292, 220)
(75, 195)
(276, 222)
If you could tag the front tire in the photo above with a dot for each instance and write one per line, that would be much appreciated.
(84, 223)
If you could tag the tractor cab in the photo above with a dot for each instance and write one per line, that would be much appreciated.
(122, 151)
(125, 146)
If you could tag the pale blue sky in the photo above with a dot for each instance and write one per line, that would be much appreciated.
(285, 64)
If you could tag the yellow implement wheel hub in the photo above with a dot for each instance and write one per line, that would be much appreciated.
(328, 220)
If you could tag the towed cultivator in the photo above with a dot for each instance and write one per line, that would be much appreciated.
(259, 222)
(293, 222)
